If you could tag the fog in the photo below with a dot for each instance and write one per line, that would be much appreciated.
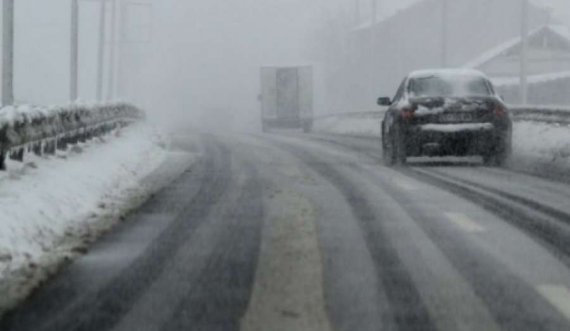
(194, 58)
(200, 59)
(205, 55)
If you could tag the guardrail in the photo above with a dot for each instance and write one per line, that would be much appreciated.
(544, 114)
(42, 130)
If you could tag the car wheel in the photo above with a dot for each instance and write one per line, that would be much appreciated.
(499, 155)
(489, 159)
(394, 150)
(503, 151)
(399, 146)
(387, 151)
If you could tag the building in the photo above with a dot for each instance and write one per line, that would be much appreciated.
(548, 66)
(378, 56)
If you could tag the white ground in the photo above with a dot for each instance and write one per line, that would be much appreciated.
(52, 207)
(535, 145)
(354, 126)
(540, 144)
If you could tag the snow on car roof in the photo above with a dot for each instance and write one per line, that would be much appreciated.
(447, 72)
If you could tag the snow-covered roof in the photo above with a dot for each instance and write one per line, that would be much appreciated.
(560, 30)
(446, 72)
(534, 79)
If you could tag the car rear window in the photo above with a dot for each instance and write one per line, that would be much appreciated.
(449, 86)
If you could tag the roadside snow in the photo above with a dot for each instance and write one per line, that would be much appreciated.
(536, 145)
(50, 207)
(350, 126)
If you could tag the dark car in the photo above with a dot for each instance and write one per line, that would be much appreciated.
(446, 113)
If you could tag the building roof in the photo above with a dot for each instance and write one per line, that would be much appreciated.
(446, 72)
(560, 30)
(534, 79)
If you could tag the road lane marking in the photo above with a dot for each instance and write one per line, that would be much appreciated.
(558, 296)
(464, 222)
(288, 292)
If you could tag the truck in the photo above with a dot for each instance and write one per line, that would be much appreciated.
(287, 98)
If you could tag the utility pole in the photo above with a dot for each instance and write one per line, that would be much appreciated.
(8, 53)
(101, 50)
(524, 53)
(74, 51)
(112, 56)
(444, 37)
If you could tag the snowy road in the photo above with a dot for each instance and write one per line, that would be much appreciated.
(312, 233)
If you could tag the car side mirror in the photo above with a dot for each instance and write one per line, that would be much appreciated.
(384, 101)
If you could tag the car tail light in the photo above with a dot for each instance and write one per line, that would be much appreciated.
(408, 112)
(500, 111)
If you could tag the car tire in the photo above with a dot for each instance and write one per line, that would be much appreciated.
(504, 151)
(394, 150)
(489, 159)
(500, 154)
(387, 155)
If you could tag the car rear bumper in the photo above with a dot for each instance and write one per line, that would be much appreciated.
(451, 139)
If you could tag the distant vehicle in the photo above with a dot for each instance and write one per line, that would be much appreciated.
(446, 113)
(287, 97)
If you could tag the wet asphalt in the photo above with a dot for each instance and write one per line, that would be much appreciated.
(309, 232)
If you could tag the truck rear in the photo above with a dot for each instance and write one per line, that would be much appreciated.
(287, 97)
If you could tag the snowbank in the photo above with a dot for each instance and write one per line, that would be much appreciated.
(51, 206)
(541, 147)
(351, 126)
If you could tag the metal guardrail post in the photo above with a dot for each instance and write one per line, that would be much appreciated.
(44, 134)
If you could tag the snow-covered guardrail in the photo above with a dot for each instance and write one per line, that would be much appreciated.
(556, 115)
(44, 130)
(544, 114)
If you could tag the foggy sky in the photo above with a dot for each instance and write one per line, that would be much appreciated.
(202, 55)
